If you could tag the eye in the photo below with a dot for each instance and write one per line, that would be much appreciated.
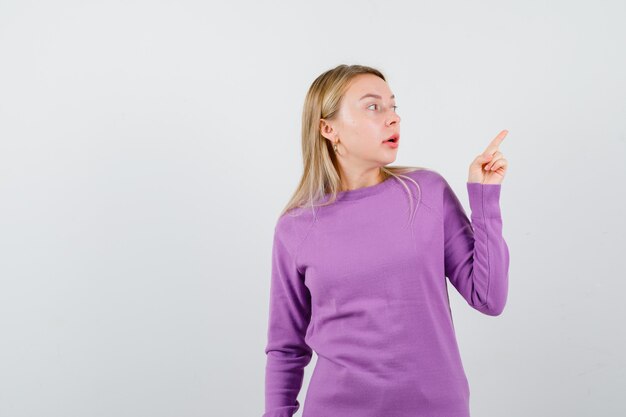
(395, 108)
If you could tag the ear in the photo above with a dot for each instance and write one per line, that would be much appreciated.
(327, 130)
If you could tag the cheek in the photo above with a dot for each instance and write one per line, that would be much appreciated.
(361, 130)
(352, 128)
(370, 131)
(364, 126)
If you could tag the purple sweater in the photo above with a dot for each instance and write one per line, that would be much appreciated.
(366, 290)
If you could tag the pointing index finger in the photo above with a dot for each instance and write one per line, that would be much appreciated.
(496, 141)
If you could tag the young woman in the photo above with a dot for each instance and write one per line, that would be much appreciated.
(360, 259)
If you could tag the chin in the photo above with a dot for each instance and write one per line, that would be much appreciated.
(388, 160)
(392, 156)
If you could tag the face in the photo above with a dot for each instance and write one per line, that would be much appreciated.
(367, 117)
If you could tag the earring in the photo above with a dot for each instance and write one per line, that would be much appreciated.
(335, 146)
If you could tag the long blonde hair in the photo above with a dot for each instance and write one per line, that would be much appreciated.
(320, 177)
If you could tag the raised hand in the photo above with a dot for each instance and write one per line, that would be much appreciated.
(490, 166)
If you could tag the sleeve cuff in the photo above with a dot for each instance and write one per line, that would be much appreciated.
(484, 199)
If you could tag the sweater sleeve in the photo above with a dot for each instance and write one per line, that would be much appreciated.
(286, 351)
(476, 254)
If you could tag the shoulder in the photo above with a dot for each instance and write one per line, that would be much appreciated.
(292, 227)
(434, 189)
(432, 184)
(427, 177)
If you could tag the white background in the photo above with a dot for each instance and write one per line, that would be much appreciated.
(146, 148)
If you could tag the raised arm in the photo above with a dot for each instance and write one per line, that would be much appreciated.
(476, 254)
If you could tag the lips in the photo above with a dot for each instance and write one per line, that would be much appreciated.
(393, 138)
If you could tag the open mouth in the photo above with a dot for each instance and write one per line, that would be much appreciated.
(394, 138)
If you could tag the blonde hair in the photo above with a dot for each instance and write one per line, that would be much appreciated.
(320, 177)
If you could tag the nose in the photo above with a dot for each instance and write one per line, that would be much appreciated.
(395, 118)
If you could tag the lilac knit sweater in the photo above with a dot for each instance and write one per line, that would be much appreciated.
(366, 290)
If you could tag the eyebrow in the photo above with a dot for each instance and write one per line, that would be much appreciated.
(375, 96)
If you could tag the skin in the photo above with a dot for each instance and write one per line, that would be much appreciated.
(362, 125)
(360, 128)
(490, 166)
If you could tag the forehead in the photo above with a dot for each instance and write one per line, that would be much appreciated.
(367, 84)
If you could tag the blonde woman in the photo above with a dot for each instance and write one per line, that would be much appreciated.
(360, 259)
